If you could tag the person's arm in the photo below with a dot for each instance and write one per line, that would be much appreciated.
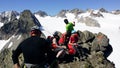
(15, 56)
(73, 23)
(55, 43)
(72, 40)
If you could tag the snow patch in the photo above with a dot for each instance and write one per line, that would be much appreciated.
(18, 17)
(11, 43)
(1, 24)
(19, 37)
(2, 43)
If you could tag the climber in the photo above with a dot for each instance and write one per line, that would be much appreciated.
(69, 28)
(73, 42)
(59, 50)
(36, 51)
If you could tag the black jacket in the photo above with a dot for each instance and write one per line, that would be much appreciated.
(35, 50)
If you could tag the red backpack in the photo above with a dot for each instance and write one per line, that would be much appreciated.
(62, 39)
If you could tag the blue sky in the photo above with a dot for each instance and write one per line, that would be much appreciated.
(53, 7)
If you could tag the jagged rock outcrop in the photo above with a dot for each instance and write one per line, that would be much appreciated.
(76, 12)
(21, 25)
(5, 59)
(103, 10)
(41, 13)
(97, 14)
(7, 16)
(116, 12)
(9, 29)
(62, 13)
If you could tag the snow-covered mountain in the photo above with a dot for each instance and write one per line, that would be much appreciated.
(7, 16)
(92, 20)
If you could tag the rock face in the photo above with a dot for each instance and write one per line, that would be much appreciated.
(62, 13)
(7, 16)
(76, 12)
(103, 10)
(21, 25)
(116, 12)
(41, 13)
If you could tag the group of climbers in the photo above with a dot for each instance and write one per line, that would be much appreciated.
(67, 43)
(39, 52)
(70, 37)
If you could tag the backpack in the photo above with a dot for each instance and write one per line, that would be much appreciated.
(62, 39)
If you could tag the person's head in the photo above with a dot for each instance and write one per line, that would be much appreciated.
(55, 34)
(66, 21)
(73, 32)
(35, 31)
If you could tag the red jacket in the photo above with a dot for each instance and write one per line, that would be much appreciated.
(73, 39)
(62, 39)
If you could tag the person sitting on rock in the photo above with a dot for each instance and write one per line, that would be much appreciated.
(73, 42)
(59, 50)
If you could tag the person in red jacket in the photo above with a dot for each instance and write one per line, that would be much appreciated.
(62, 39)
(59, 50)
(73, 42)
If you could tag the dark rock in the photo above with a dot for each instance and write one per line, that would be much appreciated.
(101, 43)
(103, 10)
(62, 13)
(5, 59)
(76, 12)
(98, 14)
(7, 16)
(116, 12)
(22, 25)
(41, 13)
